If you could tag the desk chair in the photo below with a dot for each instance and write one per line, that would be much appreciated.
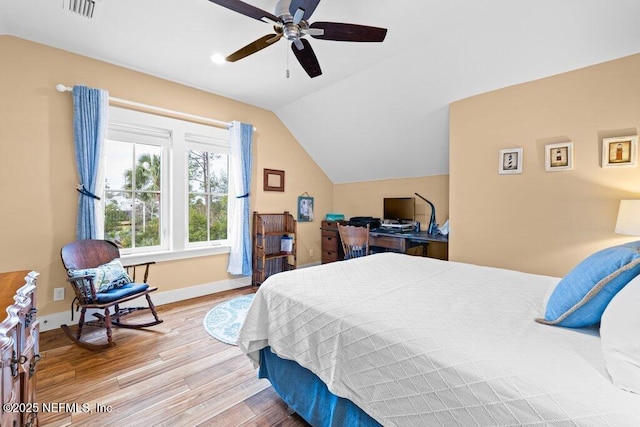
(100, 282)
(355, 240)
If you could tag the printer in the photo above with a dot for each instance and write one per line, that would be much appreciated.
(363, 221)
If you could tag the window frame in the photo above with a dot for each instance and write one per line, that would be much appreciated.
(144, 136)
(174, 182)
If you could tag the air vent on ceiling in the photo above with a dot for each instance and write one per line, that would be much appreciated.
(82, 7)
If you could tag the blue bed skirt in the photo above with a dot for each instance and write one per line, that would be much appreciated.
(308, 396)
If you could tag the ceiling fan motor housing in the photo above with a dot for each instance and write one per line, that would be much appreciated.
(282, 9)
(292, 31)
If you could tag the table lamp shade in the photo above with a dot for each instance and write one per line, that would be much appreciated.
(629, 218)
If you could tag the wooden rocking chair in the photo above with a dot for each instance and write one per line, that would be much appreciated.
(89, 263)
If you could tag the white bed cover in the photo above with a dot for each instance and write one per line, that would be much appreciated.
(420, 342)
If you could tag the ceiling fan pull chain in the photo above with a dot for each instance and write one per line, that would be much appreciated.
(287, 72)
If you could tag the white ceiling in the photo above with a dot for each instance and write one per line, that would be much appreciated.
(383, 107)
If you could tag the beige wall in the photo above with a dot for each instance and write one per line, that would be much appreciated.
(538, 221)
(542, 222)
(38, 175)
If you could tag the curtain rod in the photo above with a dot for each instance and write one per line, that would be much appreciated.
(62, 88)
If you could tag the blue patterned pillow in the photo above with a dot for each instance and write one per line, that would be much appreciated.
(107, 276)
(581, 296)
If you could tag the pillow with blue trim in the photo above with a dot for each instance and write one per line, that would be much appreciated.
(107, 276)
(582, 295)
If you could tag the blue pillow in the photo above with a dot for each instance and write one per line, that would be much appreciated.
(581, 296)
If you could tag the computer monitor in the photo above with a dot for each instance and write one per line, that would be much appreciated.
(399, 209)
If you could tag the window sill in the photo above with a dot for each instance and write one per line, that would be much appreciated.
(173, 255)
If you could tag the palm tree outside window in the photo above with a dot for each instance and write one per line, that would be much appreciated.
(133, 194)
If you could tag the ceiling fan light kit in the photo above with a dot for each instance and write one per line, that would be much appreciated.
(291, 21)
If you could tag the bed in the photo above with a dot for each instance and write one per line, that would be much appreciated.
(413, 341)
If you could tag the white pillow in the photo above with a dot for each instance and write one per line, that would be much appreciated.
(620, 335)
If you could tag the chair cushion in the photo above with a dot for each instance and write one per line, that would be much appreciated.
(121, 292)
(582, 295)
(106, 276)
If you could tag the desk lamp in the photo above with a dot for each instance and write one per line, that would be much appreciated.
(433, 227)
(628, 218)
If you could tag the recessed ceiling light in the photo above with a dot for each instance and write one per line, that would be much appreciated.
(217, 58)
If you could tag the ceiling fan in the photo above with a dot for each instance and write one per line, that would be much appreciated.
(290, 21)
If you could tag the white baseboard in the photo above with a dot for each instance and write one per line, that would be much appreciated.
(55, 320)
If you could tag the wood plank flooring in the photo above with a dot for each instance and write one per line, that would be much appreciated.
(173, 374)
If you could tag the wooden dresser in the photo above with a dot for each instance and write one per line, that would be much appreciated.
(331, 244)
(19, 356)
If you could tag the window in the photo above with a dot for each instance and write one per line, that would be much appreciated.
(166, 185)
(208, 189)
(133, 194)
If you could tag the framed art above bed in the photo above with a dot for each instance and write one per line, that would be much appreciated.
(620, 151)
(510, 161)
(558, 157)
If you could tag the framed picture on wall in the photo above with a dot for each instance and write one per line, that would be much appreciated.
(305, 209)
(558, 157)
(620, 151)
(273, 180)
(510, 161)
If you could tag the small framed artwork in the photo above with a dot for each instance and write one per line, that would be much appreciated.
(305, 209)
(558, 157)
(620, 151)
(510, 161)
(273, 180)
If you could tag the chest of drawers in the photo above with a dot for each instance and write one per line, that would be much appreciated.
(331, 244)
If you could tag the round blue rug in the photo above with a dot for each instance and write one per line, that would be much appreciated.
(223, 322)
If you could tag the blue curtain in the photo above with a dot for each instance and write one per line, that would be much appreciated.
(240, 228)
(90, 120)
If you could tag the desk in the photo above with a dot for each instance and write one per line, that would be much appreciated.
(417, 243)
(380, 240)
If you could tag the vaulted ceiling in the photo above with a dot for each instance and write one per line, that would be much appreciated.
(383, 103)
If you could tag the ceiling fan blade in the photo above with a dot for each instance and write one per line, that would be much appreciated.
(308, 6)
(245, 9)
(307, 58)
(348, 32)
(254, 47)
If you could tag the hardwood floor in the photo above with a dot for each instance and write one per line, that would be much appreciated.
(174, 374)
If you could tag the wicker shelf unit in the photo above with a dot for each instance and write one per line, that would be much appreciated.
(269, 257)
